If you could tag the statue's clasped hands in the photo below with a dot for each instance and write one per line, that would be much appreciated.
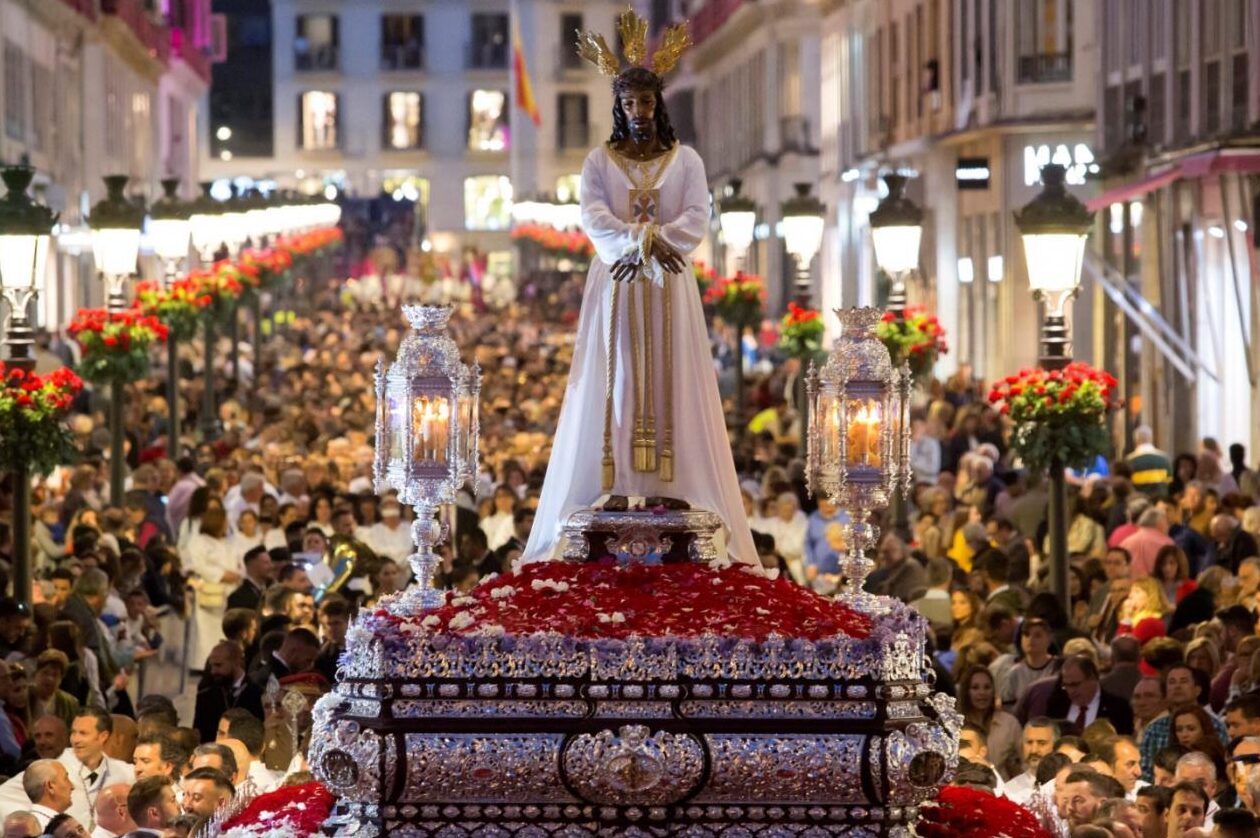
(627, 267)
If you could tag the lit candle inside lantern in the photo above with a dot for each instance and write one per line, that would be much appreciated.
(864, 435)
(441, 428)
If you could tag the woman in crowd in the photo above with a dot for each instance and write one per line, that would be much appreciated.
(978, 702)
(1172, 569)
(1144, 610)
(215, 572)
(787, 525)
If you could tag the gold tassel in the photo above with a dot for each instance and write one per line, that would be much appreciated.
(649, 383)
(667, 440)
(636, 440)
(609, 470)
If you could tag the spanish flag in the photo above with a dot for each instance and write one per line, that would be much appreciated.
(524, 90)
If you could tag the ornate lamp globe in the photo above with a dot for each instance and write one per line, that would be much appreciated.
(257, 216)
(427, 421)
(235, 222)
(859, 438)
(737, 215)
(1054, 227)
(206, 223)
(170, 225)
(25, 235)
(803, 224)
(116, 224)
(896, 230)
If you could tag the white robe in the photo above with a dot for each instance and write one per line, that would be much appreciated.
(704, 471)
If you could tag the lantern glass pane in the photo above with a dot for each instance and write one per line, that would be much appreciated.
(115, 250)
(802, 235)
(430, 428)
(737, 229)
(865, 424)
(466, 403)
(169, 237)
(1054, 260)
(23, 260)
(396, 425)
(896, 248)
(829, 424)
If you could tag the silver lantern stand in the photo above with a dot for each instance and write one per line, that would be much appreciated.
(859, 441)
(427, 421)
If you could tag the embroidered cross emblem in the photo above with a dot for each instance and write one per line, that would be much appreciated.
(644, 205)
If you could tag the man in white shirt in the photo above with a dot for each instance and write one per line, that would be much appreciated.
(1039, 737)
(244, 495)
(89, 768)
(242, 731)
(46, 785)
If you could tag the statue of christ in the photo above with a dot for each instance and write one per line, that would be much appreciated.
(641, 416)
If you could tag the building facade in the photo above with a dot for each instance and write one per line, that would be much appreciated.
(91, 88)
(971, 97)
(415, 101)
(1179, 129)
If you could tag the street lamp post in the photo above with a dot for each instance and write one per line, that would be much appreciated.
(170, 228)
(116, 224)
(896, 230)
(802, 216)
(25, 231)
(207, 238)
(737, 215)
(1054, 227)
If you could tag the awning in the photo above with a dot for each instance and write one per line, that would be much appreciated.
(1220, 161)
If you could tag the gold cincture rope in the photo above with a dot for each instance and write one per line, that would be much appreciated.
(609, 470)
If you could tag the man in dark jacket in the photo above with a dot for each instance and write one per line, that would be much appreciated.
(83, 608)
(222, 687)
(1076, 696)
(259, 573)
(1233, 543)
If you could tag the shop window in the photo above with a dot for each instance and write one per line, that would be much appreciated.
(487, 120)
(318, 109)
(487, 202)
(316, 46)
(404, 114)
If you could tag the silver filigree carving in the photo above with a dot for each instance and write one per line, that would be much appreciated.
(633, 766)
(516, 768)
(801, 768)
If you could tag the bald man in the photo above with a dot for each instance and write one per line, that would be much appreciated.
(112, 819)
(21, 825)
(121, 744)
(51, 736)
(243, 760)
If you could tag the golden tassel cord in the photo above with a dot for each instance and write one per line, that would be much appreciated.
(639, 459)
(667, 438)
(609, 467)
(649, 381)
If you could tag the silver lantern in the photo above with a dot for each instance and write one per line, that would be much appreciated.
(859, 440)
(427, 421)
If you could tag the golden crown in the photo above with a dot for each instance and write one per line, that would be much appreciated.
(633, 30)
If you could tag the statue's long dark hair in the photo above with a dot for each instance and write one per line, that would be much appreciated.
(640, 78)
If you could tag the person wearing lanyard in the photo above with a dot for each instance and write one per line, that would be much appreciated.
(89, 768)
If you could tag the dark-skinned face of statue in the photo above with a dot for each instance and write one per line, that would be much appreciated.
(639, 106)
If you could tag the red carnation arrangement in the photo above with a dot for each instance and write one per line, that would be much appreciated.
(272, 265)
(801, 332)
(570, 243)
(961, 810)
(913, 337)
(312, 243)
(32, 409)
(178, 306)
(1059, 415)
(289, 811)
(115, 344)
(605, 599)
(220, 285)
(737, 299)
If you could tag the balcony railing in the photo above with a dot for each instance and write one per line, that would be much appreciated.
(408, 56)
(1045, 67)
(133, 13)
(486, 56)
(324, 57)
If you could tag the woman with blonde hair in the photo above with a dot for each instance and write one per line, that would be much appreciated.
(1143, 611)
(1204, 654)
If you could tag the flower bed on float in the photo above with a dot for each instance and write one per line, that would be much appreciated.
(287, 812)
(607, 600)
(959, 810)
(32, 409)
(116, 344)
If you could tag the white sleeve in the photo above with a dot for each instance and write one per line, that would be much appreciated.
(686, 231)
(612, 237)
